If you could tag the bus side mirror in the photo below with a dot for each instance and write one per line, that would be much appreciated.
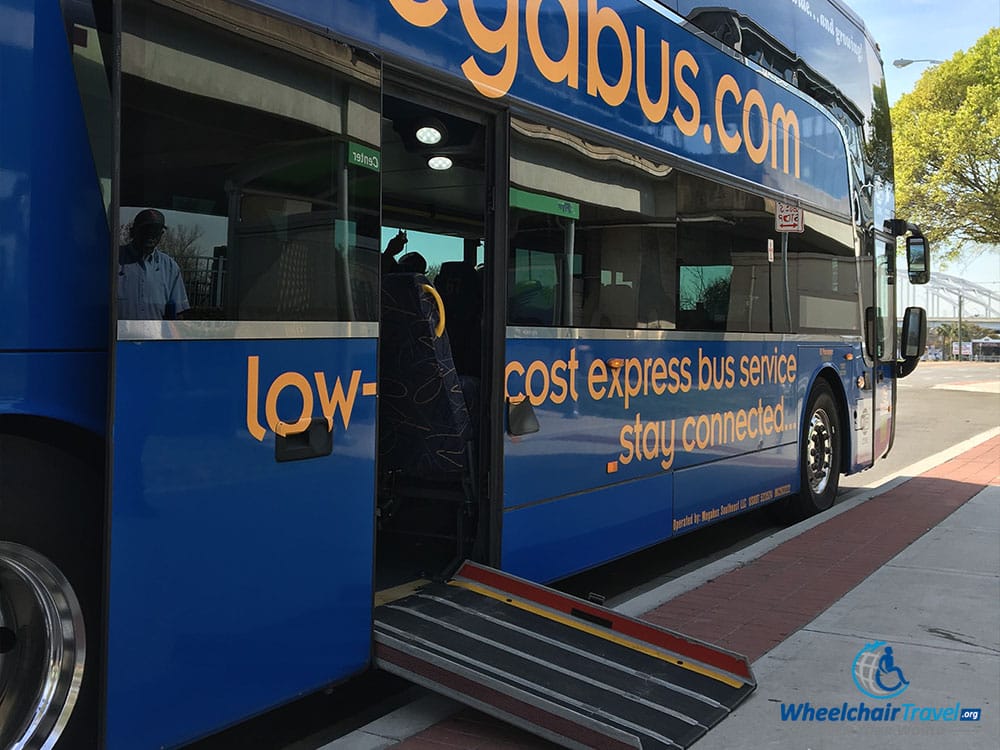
(918, 259)
(914, 339)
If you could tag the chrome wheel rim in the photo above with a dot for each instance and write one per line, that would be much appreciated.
(42, 649)
(819, 451)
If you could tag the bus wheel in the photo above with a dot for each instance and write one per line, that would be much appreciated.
(42, 649)
(819, 460)
(820, 453)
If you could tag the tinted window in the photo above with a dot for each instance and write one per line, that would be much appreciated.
(592, 241)
(262, 161)
(603, 238)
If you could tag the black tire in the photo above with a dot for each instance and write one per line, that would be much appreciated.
(820, 458)
(51, 519)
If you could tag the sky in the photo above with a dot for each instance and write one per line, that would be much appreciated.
(935, 30)
(923, 29)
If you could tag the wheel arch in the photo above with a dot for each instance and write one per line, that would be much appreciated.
(829, 376)
(52, 451)
(53, 501)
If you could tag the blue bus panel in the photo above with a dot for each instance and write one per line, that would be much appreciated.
(642, 439)
(66, 386)
(548, 540)
(53, 229)
(627, 67)
(237, 582)
(669, 404)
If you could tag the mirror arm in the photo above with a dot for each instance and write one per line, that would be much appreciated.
(906, 366)
(900, 227)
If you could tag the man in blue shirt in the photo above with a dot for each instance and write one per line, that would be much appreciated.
(150, 286)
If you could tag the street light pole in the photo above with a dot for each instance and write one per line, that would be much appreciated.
(903, 62)
(959, 326)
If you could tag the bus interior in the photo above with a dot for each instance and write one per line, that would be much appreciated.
(431, 507)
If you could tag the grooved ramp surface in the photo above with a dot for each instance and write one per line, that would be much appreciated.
(567, 670)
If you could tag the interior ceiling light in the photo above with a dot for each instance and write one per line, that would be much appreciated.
(428, 134)
(439, 163)
(430, 131)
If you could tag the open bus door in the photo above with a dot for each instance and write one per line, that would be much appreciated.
(438, 421)
(242, 422)
(556, 666)
(880, 339)
(894, 360)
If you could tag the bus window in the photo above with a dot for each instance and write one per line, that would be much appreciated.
(87, 25)
(823, 272)
(262, 168)
(728, 281)
(631, 244)
(725, 280)
(704, 296)
(534, 287)
(435, 249)
(591, 237)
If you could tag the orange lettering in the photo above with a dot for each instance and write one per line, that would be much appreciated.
(727, 85)
(422, 13)
(754, 100)
(567, 67)
(491, 40)
(597, 21)
(685, 61)
(654, 111)
(285, 380)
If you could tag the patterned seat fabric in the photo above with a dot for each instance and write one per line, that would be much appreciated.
(461, 289)
(424, 421)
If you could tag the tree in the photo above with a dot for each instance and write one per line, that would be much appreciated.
(947, 149)
(181, 241)
(716, 300)
(945, 334)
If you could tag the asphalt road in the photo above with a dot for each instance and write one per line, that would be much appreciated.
(938, 405)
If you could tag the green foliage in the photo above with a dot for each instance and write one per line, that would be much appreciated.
(947, 149)
(716, 299)
(944, 334)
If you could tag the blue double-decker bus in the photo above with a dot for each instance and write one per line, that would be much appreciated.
(302, 304)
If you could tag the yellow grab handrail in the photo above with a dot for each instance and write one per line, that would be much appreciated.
(440, 303)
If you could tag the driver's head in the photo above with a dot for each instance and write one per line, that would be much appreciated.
(147, 229)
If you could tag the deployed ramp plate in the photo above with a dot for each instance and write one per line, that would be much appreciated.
(575, 673)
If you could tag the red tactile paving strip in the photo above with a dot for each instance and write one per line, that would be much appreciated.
(752, 609)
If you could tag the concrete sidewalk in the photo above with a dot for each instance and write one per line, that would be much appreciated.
(937, 604)
(916, 567)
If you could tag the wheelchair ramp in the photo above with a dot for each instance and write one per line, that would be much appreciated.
(574, 673)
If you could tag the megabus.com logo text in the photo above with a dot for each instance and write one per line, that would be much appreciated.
(761, 132)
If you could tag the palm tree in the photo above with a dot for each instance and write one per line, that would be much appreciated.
(947, 333)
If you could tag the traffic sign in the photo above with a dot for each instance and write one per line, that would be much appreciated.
(789, 218)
